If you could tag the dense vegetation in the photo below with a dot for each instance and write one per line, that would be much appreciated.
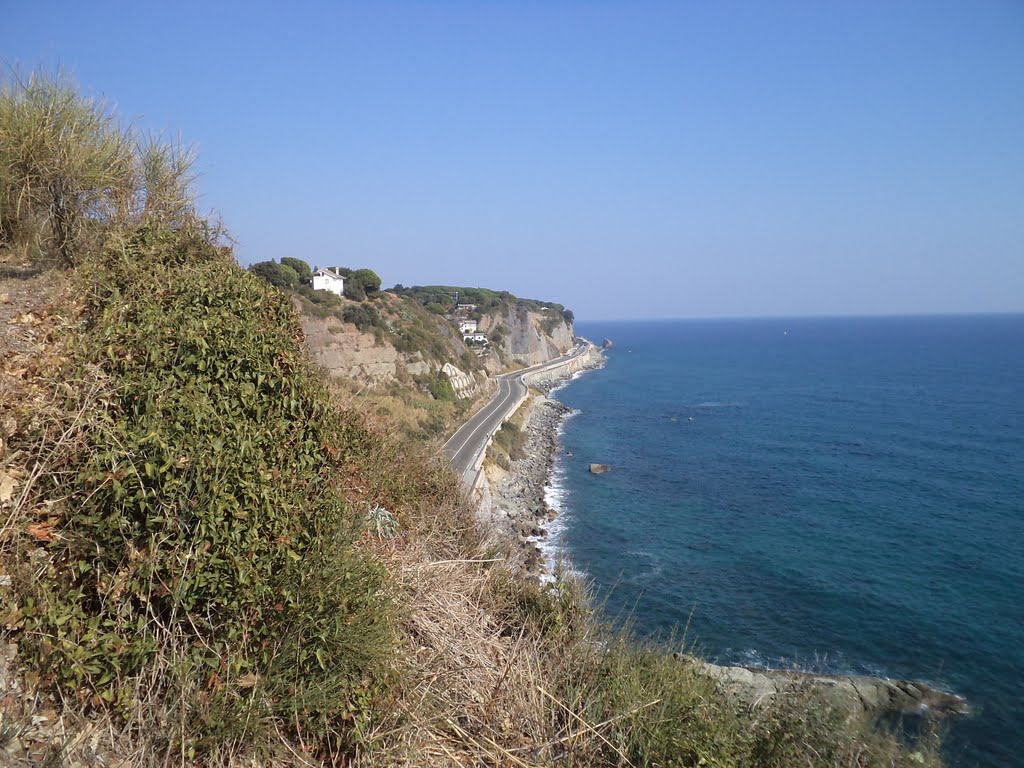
(210, 562)
(205, 439)
(443, 298)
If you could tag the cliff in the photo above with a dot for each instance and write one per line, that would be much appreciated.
(200, 536)
(525, 336)
(519, 331)
(386, 340)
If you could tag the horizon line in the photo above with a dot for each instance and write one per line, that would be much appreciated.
(849, 316)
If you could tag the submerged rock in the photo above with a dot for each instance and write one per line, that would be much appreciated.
(600, 469)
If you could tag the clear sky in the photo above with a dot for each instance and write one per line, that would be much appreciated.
(630, 160)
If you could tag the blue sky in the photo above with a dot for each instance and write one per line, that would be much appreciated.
(630, 160)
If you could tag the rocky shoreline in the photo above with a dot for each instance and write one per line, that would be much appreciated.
(856, 694)
(518, 505)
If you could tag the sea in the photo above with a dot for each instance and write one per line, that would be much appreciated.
(842, 495)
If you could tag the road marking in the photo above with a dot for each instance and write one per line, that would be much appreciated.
(498, 402)
(497, 407)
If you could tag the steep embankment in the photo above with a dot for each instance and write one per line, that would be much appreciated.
(527, 336)
(518, 331)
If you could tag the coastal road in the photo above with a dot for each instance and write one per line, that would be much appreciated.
(466, 446)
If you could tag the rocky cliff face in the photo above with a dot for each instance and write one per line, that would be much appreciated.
(342, 350)
(519, 336)
(527, 337)
(369, 357)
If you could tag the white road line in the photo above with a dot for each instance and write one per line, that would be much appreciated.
(484, 421)
(496, 405)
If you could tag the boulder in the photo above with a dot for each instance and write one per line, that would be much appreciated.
(606, 344)
(599, 469)
(851, 693)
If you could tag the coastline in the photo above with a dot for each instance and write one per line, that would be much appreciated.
(519, 506)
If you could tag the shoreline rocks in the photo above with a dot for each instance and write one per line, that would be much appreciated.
(518, 500)
(518, 506)
(856, 694)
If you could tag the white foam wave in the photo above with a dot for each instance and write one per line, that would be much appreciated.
(552, 547)
(565, 382)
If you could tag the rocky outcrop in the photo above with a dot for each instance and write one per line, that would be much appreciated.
(342, 350)
(607, 344)
(525, 336)
(599, 469)
(856, 694)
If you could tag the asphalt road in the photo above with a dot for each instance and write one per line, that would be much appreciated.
(466, 445)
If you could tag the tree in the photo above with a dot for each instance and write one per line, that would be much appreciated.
(354, 289)
(278, 275)
(369, 279)
(568, 316)
(301, 269)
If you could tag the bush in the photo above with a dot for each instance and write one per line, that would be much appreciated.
(354, 290)
(441, 389)
(69, 171)
(321, 297)
(203, 527)
(362, 317)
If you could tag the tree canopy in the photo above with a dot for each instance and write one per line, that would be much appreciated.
(279, 275)
(301, 269)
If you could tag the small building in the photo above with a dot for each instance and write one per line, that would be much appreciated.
(328, 280)
(465, 307)
(467, 326)
(474, 338)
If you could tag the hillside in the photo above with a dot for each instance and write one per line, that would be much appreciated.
(520, 331)
(208, 557)
(403, 350)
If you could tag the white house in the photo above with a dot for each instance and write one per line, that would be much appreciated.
(465, 307)
(328, 280)
(474, 338)
(467, 326)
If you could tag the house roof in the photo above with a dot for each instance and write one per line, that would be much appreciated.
(328, 273)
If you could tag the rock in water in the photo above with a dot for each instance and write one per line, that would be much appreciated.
(852, 693)
(600, 469)
(606, 344)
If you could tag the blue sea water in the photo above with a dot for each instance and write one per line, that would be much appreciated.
(843, 494)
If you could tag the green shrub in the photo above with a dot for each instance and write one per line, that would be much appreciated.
(361, 316)
(354, 290)
(202, 511)
(324, 298)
